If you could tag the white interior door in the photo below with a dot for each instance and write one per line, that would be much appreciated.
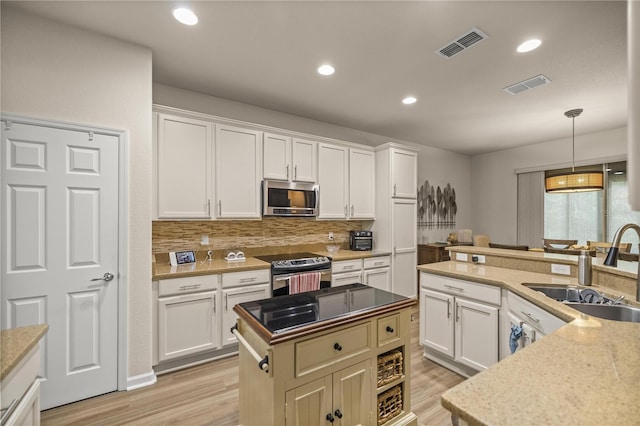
(59, 240)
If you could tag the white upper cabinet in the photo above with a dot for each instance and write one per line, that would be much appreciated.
(362, 179)
(183, 152)
(404, 173)
(277, 156)
(290, 159)
(238, 172)
(304, 155)
(333, 162)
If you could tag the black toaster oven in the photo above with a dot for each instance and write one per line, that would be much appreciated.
(361, 240)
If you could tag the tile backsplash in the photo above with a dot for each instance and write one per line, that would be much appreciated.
(271, 234)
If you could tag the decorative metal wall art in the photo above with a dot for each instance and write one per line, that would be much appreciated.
(437, 206)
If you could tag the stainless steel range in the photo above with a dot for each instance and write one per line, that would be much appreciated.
(286, 266)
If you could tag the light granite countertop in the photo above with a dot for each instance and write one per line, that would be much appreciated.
(585, 373)
(15, 343)
(162, 270)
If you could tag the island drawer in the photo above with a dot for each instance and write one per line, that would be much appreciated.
(187, 284)
(319, 352)
(388, 329)
(467, 289)
(235, 279)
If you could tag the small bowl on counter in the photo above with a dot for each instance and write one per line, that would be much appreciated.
(333, 248)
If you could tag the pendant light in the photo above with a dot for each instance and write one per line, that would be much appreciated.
(574, 181)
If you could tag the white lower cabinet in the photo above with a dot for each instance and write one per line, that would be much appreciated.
(377, 272)
(459, 323)
(535, 322)
(241, 287)
(195, 314)
(344, 272)
(187, 324)
(20, 392)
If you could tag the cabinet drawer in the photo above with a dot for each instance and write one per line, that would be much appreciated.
(234, 279)
(376, 262)
(346, 266)
(470, 290)
(187, 284)
(346, 279)
(388, 329)
(319, 352)
(533, 315)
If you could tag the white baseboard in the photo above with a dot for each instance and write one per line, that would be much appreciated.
(141, 380)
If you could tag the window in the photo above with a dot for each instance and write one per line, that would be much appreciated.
(583, 216)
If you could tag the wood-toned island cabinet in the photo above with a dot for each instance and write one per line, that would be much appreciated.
(353, 372)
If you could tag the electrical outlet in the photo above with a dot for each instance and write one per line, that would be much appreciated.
(560, 269)
(330, 236)
(204, 240)
(478, 258)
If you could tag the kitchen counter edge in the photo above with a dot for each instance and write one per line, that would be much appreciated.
(16, 344)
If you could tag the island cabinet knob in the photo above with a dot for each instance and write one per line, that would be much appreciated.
(337, 347)
(330, 417)
(338, 414)
(389, 329)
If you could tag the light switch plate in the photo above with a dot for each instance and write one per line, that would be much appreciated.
(461, 257)
(560, 269)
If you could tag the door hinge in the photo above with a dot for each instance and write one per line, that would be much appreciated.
(7, 125)
(90, 136)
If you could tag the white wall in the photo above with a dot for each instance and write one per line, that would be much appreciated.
(206, 104)
(57, 72)
(440, 167)
(494, 182)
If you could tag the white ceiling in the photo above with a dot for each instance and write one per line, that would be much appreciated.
(266, 54)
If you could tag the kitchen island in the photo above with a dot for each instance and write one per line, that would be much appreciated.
(339, 353)
(584, 373)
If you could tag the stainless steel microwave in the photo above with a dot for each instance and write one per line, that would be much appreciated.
(281, 198)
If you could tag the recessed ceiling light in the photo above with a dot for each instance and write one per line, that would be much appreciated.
(409, 100)
(326, 70)
(529, 45)
(185, 16)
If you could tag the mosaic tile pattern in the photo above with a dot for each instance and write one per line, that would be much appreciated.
(269, 235)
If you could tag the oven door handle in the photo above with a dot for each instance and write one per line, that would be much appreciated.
(287, 276)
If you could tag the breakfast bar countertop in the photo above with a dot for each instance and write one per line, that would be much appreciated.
(585, 373)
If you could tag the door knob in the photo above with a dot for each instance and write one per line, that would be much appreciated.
(108, 276)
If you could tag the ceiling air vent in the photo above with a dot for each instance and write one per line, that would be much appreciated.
(531, 83)
(461, 43)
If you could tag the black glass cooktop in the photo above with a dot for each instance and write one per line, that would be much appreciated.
(284, 313)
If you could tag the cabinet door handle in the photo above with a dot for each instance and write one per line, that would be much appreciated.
(347, 267)
(389, 329)
(330, 418)
(448, 308)
(450, 287)
(295, 172)
(219, 207)
(345, 209)
(457, 312)
(394, 189)
(338, 414)
(209, 208)
(531, 317)
(214, 303)
(226, 306)
(378, 264)
(287, 171)
(248, 280)
(337, 347)
(351, 209)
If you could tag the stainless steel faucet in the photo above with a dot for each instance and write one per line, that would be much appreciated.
(612, 257)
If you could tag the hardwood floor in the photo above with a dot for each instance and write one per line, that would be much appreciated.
(208, 395)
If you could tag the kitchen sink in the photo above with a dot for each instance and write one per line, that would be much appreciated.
(589, 301)
(572, 294)
(610, 312)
